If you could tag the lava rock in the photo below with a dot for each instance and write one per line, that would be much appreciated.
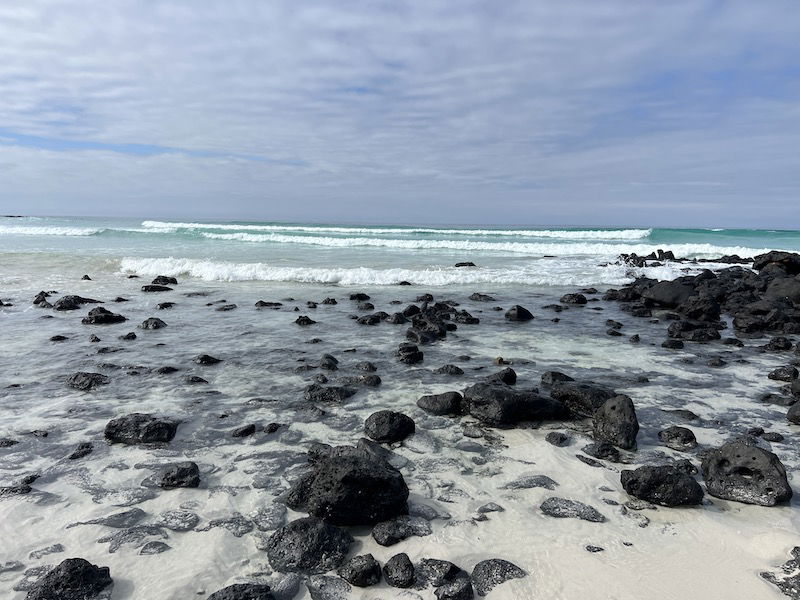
(793, 414)
(71, 302)
(664, 485)
(507, 376)
(490, 573)
(389, 533)
(554, 377)
(573, 299)
(787, 373)
(459, 588)
(102, 316)
(583, 399)
(243, 591)
(205, 359)
(615, 422)
(557, 438)
(361, 571)
(388, 426)
(164, 280)
(743, 472)
(309, 546)
(447, 403)
(184, 474)
(449, 370)
(83, 449)
(72, 579)
(562, 508)
(409, 353)
(304, 320)
(156, 288)
(153, 323)
(86, 381)
(330, 394)
(518, 313)
(399, 571)
(351, 487)
(502, 406)
(140, 428)
(678, 438)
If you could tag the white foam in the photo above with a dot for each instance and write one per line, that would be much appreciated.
(600, 250)
(598, 234)
(70, 231)
(549, 272)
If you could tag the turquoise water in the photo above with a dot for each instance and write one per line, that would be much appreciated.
(368, 255)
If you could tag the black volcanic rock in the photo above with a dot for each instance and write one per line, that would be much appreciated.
(615, 422)
(388, 426)
(518, 313)
(102, 316)
(664, 485)
(72, 579)
(140, 428)
(308, 546)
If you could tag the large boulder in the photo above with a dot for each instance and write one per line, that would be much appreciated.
(243, 591)
(789, 261)
(788, 288)
(102, 316)
(350, 488)
(670, 294)
(615, 422)
(665, 485)
(743, 472)
(140, 428)
(583, 399)
(361, 571)
(501, 406)
(447, 403)
(184, 474)
(388, 426)
(71, 302)
(308, 546)
(72, 579)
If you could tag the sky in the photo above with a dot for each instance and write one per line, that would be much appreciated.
(587, 112)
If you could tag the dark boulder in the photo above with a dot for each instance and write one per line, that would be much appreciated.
(361, 571)
(787, 373)
(459, 588)
(490, 573)
(205, 359)
(102, 316)
(409, 353)
(184, 474)
(388, 426)
(557, 438)
(243, 591)
(330, 394)
(435, 572)
(700, 307)
(793, 414)
(789, 261)
(788, 288)
(72, 579)
(86, 381)
(140, 428)
(399, 571)
(449, 370)
(478, 297)
(304, 320)
(153, 323)
(678, 438)
(69, 302)
(164, 280)
(83, 449)
(389, 533)
(498, 405)
(583, 399)
(743, 472)
(518, 313)
(308, 546)
(573, 299)
(350, 488)
(672, 344)
(615, 422)
(561, 508)
(507, 376)
(156, 288)
(554, 377)
(448, 403)
(664, 485)
(669, 294)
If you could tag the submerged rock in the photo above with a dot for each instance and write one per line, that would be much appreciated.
(389, 533)
(562, 508)
(153, 323)
(665, 485)
(743, 472)
(184, 474)
(102, 316)
(518, 313)
(72, 579)
(86, 381)
(309, 546)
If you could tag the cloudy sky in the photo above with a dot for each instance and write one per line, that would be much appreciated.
(531, 112)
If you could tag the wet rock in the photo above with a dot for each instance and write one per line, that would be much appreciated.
(71, 302)
(388, 426)
(743, 472)
(205, 359)
(615, 422)
(507, 376)
(184, 474)
(502, 406)
(435, 572)
(490, 573)
(787, 373)
(663, 485)
(409, 353)
(669, 294)
(361, 571)
(458, 589)
(787, 576)
(83, 449)
(557, 438)
(229, 307)
(330, 394)
(178, 520)
(583, 399)
(72, 579)
(399, 571)
(102, 316)
(237, 524)
(793, 414)
(478, 297)
(449, 370)
(128, 336)
(156, 288)
(553, 377)
(165, 305)
(140, 428)
(243, 591)
(164, 280)
(54, 549)
(304, 320)
(562, 508)
(309, 546)
(86, 381)
(350, 487)
(120, 520)
(7, 442)
(327, 587)
(603, 451)
(778, 344)
(518, 313)
(389, 533)
(59, 338)
(678, 438)
(527, 482)
(153, 323)
(448, 403)
(243, 431)
(573, 299)
(672, 344)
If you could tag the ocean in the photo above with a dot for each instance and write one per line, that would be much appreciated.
(191, 542)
